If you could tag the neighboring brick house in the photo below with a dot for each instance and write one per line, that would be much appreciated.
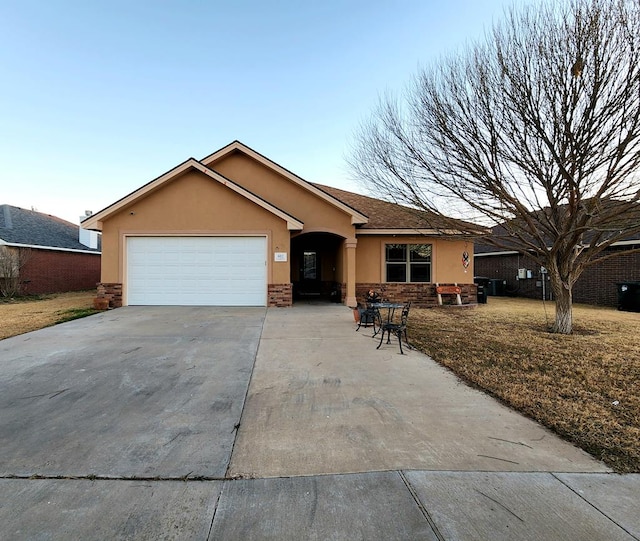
(596, 285)
(55, 259)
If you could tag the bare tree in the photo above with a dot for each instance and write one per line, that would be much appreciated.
(12, 260)
(536, 128)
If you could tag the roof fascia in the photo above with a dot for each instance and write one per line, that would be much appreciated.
(406, 232)
(356, 217)
(95, 220)
(626, 242)
(51, 248)
(293, 224)
(513, 252)
(506, 252)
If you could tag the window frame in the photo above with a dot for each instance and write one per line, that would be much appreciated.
(405, 263)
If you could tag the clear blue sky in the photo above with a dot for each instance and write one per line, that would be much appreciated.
(99, 97)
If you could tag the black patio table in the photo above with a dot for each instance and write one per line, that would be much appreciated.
(391, 308)
(389, 325)
(372, 312)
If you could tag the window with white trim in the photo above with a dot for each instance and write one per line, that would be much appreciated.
(408, 262)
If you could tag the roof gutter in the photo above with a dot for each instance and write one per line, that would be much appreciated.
(514, 252)
(510, 252)
(436, 232)
(51, 248)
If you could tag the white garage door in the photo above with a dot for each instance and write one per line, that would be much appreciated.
(197, 271)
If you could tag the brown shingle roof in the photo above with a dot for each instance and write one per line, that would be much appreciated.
(384, 214)
(381, 214)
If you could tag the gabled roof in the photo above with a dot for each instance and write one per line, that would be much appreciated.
(95, 221)
(21, 227)
(386, 217)
(357, 217)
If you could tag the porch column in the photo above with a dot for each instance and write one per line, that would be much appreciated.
(350, 246)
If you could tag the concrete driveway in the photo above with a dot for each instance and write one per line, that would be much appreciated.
(323, 400)
(246, 423)
(137, 392)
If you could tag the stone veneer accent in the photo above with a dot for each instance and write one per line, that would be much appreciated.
(280, 295)
(421, 295)
(111, 291)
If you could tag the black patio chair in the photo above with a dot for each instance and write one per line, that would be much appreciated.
(398, 329)
(370, 315)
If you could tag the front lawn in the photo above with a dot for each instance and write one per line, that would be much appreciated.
(23, 315)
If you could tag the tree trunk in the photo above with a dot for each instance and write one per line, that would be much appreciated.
(564, 313)
(563, 292)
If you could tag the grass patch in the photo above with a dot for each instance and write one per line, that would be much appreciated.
(75, 313)
(26, 314)
(583, 386)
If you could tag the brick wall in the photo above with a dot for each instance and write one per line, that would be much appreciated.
(280, 295)
(596, 285)
(49, 271)
(112, 292)
(421, 295)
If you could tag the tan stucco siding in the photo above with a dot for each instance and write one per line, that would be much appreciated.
(446, 258)
(340, 258)
(449, 267)
(193, 204)
(370, 259)
(317, 214)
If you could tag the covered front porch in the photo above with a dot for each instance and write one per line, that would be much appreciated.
(320, 263)
(323, 268)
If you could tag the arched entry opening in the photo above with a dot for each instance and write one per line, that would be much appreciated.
(316, 266)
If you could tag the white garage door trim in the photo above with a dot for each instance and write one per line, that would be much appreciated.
(197, 270)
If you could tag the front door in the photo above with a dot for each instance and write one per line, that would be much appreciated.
(310, 274)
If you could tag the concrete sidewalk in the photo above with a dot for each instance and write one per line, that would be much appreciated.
(172, 431)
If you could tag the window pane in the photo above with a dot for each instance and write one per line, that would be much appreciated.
(396, 252)
(396, 272)
(420, 252)
(309, 266)
(420, 272)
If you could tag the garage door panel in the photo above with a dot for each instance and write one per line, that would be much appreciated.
(215, 271)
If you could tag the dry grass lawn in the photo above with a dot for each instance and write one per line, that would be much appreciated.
(25, 315)
(584, 387)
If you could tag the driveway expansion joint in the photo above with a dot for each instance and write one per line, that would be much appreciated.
(577, 493)
(421, 506)
(91, 477)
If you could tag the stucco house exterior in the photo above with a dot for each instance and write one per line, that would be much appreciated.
(236, 228)
(56, 255)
